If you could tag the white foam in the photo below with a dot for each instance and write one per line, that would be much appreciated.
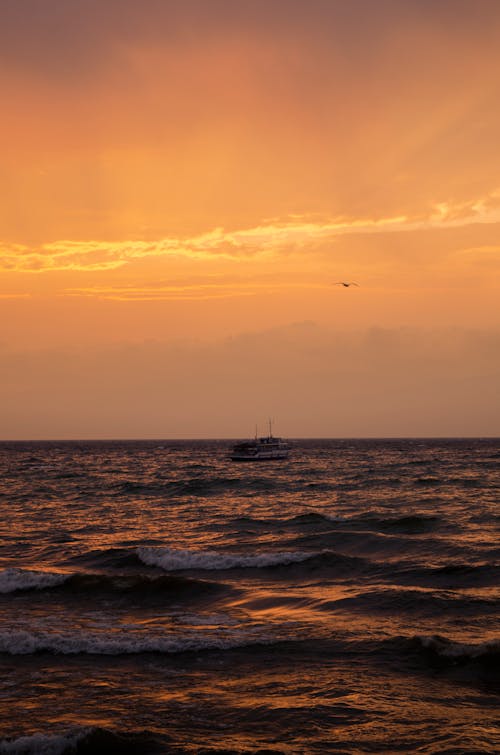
(177, 560)
(25, 579)
(42, 744)
(450, 649)
(22, 642)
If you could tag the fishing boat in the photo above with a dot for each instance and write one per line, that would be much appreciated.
(264, 448)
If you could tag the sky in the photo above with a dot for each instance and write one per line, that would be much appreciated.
(183, 184)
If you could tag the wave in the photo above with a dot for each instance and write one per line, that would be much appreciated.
(309, 518)
(380, 546)
(423, 602)
(23, 642)
(170, 559)
(113, 558)
(133, 585)
(449, 650)
(407, 524)
(312, 518)
(15, 579)
(143, 586)
(84, 741)
(450, 576)
(44, 744)
(195, 486)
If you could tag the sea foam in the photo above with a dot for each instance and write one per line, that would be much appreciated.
(460, 651)
(43, 744)
(22, 642)
(80, 740)
(178, 560)
(14, 579)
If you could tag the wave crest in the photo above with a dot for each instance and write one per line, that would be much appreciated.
(171, 559)
(450, 650)
(84, 741)
(14, 579)
(22, 642)
(44, 744)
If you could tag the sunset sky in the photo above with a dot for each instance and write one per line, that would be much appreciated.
(182, 183)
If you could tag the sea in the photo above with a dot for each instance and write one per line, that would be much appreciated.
(156, 597)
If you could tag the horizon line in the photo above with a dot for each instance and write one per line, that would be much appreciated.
(233, 438)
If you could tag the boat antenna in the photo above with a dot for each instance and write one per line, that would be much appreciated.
(256, 432)
(270, 427)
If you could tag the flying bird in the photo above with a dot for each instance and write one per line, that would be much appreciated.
(346, 283)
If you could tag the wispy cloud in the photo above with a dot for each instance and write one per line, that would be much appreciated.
(184, 292)
(477, 257)
(265, 241)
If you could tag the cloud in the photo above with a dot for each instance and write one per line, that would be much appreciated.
(480, 255)
(261, 242)
(190, 292)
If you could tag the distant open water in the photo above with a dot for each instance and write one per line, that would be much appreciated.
(157, 598)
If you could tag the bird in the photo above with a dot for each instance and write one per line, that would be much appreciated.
(346, 283)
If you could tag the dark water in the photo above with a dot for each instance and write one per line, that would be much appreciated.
(157, 598)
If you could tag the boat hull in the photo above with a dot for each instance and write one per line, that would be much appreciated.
(260, 457)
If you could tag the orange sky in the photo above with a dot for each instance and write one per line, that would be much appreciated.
(191, 175)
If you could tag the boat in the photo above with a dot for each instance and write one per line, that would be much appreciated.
(265, 448)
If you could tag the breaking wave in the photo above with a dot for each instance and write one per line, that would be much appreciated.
(44, 744)
(179, 560)
(21, 642)
(85, 741)
(15, 579)
(135, 586)
(444, 648)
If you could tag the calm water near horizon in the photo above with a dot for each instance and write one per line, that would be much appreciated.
(156, 597)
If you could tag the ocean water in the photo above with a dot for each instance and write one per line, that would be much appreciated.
(156, 597)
